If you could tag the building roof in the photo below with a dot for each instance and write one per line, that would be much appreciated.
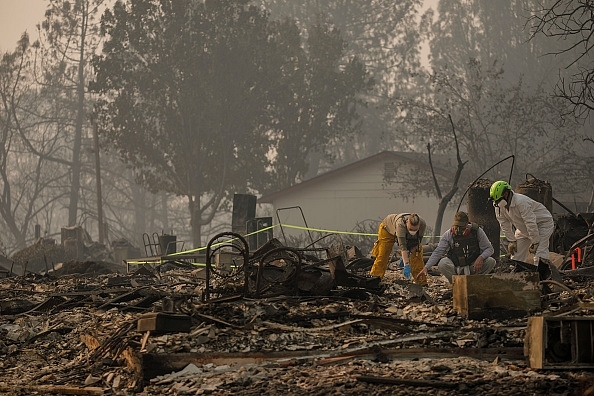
(441, 164)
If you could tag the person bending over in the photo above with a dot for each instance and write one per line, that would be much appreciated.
(407, 229)
(532, 220)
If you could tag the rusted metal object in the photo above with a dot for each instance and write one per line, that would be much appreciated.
(259, 231)
(278, 271)
(275, 270)
(232, 279)
(343, 278)
(569, 229)
(480, 211)
(580, 254)
(539, 190)
(167, 244)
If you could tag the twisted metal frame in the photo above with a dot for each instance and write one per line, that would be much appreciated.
(217, 279)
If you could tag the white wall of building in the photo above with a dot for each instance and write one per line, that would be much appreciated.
(347, 198)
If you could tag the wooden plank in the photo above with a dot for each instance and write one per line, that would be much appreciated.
(534, 344)
(484, 296)
(134, 363)
(460, 295)
(560, 342)
(164, 322)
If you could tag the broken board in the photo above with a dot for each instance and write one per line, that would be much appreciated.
(496, 296)
(162, 322)
(560, 342)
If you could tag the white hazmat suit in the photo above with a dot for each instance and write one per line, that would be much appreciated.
(533, 224)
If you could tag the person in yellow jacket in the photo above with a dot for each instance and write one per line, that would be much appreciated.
(408, 230)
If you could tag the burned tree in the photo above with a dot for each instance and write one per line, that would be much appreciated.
(571, 22)
(444, 200)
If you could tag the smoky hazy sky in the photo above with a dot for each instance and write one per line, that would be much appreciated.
(17, 16)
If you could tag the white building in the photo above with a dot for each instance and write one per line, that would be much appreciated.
(363, 192)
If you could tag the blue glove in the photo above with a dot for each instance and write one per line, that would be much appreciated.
(401, 263)
(406, 271)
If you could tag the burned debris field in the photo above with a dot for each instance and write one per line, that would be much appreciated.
(124, 119)
(282, 320)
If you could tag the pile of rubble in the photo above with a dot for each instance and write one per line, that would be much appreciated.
(97, 329)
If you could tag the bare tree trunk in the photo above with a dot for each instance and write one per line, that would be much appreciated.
(98, 183)
(444, 200)
(80, 111)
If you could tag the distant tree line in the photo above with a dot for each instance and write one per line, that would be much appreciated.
(196, 100)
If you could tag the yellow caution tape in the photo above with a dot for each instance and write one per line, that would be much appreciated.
(160, 260)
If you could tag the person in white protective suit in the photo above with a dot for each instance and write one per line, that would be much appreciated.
(532, 221)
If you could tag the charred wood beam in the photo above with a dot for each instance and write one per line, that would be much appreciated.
(379, 322)
(586, 272)
(148, 297)
(122, 298)
(54, 329)
(113, 343)
(51, 390)
(213, 319)
(91, 292)
(144, 304)
(399, 322)
(75, 302)
(407, 381)
(155, 364)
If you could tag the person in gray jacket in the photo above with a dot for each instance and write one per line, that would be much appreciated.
(532, 221)
(464, 249)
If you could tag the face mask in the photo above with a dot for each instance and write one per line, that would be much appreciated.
(502, 204)
(413, 233)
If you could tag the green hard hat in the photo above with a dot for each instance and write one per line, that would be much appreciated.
(497, 189)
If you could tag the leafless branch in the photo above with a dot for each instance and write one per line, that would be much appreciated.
(572, 22)
(443, 201)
